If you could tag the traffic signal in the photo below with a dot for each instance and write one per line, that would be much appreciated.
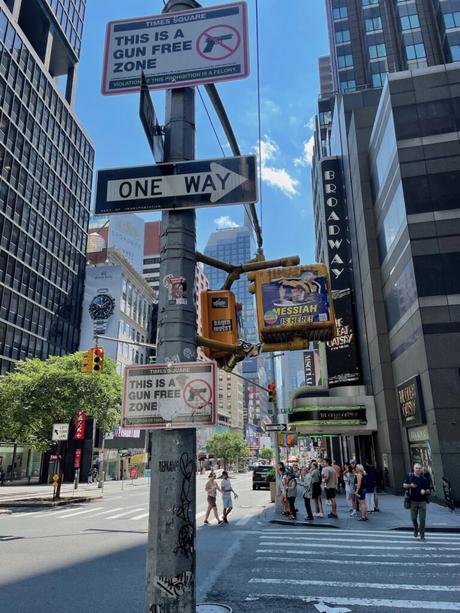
(97, 359)
(271, 392)
(85, 362)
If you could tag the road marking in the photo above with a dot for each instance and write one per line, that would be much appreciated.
(125, 513)
(392, 605)
(80, 513)
(390, 547)
(384, 534)
(354, 584)
(45, 513)
(109, 511)
(356, 555)
(309, 539)
(369, 562)
(243, 521)
(139, 516)
(200, 514)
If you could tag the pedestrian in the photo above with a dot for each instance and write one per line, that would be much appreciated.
(349, 478)
(280, 486)
(418, 487)
(291, 493)
(226, 489)
(329, 477)
(316, 489)
(338, 472)
(211, 489)
(369, 484)
(378, 488)
(305, 477)
(361, 491)
(90, 477)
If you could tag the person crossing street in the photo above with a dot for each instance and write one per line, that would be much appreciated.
(419, 490)
(227, 490)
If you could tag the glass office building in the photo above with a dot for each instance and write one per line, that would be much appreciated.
(46, 163)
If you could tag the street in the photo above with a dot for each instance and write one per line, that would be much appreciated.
(92, 557)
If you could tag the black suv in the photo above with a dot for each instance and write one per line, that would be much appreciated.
(259, 474)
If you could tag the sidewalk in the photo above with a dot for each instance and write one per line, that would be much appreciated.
(42, 495)
(392, 516)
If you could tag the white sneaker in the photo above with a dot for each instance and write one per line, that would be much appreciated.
(320, 514)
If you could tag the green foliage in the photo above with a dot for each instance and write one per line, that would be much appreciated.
(266, 454)
(228, 446)
(270, 477)
(39, 393)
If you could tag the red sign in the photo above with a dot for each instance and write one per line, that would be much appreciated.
(77, 459)
(53, 458)
(79, 423)
(133, 472)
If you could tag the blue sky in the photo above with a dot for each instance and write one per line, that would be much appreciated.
(292, 35)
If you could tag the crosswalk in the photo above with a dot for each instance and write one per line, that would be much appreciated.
(361, 570)
(131, 513)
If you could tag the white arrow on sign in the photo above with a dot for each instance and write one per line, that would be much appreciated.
(217, 182)
(276, 428)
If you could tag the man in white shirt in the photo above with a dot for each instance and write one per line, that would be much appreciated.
(329, 477)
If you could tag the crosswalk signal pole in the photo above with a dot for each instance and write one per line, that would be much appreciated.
(171, 553)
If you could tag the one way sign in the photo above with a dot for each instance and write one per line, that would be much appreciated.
(180, 185)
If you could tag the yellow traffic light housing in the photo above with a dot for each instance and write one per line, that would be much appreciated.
(219, 320)
(85, 361)
(294, 305)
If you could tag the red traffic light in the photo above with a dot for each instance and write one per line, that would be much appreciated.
(271, 392)
(97, 359)
(98, 351)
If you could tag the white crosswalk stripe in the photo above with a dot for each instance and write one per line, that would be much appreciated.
(243, 521)
(373, 570)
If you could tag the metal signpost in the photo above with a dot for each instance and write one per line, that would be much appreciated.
(180, 185)
(204, 45)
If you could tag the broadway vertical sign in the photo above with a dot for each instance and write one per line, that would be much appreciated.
(341, 352)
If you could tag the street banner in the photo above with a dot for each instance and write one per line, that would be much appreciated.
(180, 185)
(179, 395)
(204, 45)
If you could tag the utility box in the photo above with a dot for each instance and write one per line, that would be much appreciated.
(219, 319)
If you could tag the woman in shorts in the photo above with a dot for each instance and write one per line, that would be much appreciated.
(227, 490)
(316, 489)
(211, 489)
(361, 491)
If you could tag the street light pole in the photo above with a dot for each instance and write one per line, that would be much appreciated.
(171, 553)
(278, 505)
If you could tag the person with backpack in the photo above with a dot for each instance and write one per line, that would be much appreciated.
(418, 487)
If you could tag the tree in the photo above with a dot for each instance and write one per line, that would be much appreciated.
(228, 446)
(266, 454)
(39, 393)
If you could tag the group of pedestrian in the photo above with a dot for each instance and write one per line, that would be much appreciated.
(225, 488)
(315, 479)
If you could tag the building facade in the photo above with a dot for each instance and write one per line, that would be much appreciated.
(45, 182)
(369, 38)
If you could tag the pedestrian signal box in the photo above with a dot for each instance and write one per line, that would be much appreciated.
(293, 303)
(219, 319)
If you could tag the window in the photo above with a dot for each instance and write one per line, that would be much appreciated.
(343, 36)
(414, 52)
(370, 2)
(373, 24)
(378, 79)
(452, 20)
(409, 22)
(347, 85)
(340, 13)
(393, 222)
(345, 61)
(376, 51)
(455, 52)
(401, 296)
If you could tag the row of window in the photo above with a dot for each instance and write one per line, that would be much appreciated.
(134, 305)
(427, 118)
(70, 17)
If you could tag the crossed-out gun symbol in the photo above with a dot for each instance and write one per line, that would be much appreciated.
(210, 42)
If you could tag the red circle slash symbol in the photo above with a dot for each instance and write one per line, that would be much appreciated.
(197, 394)
(218, 42)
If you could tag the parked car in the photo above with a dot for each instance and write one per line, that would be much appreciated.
(258, 477)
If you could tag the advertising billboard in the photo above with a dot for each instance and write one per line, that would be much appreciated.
(101, 306)
(293, 301)
(341, 351)
(411, 402)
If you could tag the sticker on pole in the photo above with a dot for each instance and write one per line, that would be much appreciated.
(169, 396)
(204, 45)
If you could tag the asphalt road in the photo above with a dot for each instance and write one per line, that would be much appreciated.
(92, 558)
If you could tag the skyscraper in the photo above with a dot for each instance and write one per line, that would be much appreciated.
(386, 196)
(369, 38)
(45, 182)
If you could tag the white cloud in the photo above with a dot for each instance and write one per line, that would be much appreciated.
(311, 123)
(280, 178)
(307, 155)
(225, 222)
